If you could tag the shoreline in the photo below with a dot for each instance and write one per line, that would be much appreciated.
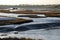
(18, 38)
(8, 21)
(47, 13)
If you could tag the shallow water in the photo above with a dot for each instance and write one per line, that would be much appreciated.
(51, 34)
(37, 34)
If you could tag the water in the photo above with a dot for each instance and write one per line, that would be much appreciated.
(4, 18)
(51, 34)
(38, 34)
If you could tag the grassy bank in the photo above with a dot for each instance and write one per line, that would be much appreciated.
(48, 13)
(18, 39)
(5, 11)
(16, 21)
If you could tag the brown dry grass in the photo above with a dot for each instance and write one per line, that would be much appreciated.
(5, 11)
(17, 21)
(51, 13)
(17, 39)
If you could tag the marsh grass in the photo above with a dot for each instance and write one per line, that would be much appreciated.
(18, 39)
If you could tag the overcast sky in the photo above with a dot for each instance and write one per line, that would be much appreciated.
(31, 2)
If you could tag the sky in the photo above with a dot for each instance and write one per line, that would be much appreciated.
(30, 2)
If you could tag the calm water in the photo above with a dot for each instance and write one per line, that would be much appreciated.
(52, 34)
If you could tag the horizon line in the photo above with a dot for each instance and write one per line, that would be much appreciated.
(29, 4)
